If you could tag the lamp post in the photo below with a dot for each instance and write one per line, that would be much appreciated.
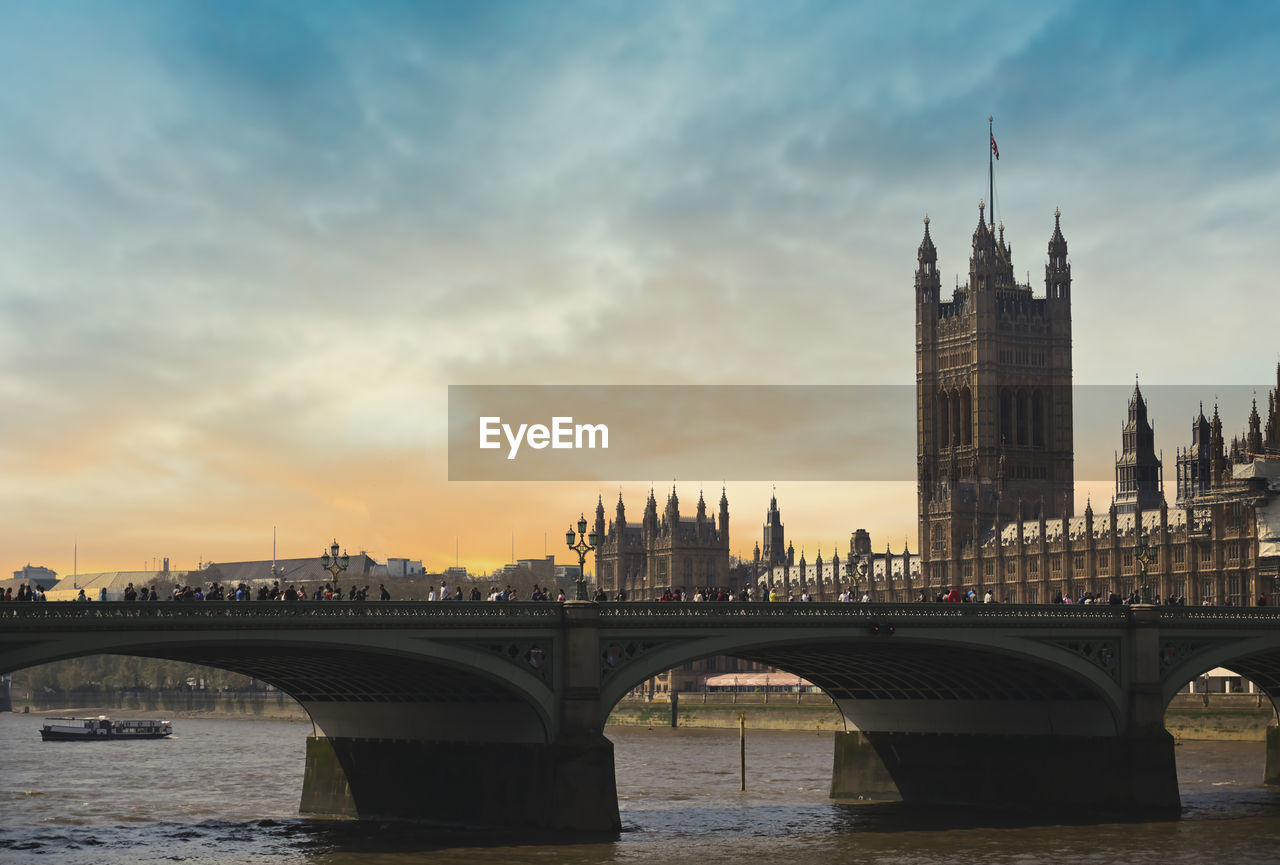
(1142, 555)
(857, 573)
(586, 543)
(332, 562)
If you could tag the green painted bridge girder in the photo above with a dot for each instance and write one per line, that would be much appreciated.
(522, 653)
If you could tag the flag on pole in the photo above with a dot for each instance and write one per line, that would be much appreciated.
(994, 150)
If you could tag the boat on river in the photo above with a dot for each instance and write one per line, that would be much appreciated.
(102, 728)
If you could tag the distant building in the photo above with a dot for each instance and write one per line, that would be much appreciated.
(671, 551)
(36, 574)
(542, 569)
(827, 580)
(111, 585)
(361, 570)
(404, 568)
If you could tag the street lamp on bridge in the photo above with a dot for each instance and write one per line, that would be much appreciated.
(857, 573)
(332, 562)
(586, 543)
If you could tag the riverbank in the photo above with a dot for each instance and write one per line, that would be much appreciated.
(256, 705)
(1225, 718)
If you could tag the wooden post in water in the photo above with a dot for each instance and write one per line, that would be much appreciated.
(742, 751)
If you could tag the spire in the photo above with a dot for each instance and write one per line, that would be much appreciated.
(1057, 271)
(988, 267)
(927, 254)
(599, 524)
(1057, 243)
(1253, 442)
(928, 281)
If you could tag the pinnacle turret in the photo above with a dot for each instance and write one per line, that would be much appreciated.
(928, 282)
(927, 253)
(1057, 243)
(1253, 441)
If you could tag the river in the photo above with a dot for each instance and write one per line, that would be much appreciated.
(226, 791)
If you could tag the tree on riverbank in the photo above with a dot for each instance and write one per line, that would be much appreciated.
(125, 672)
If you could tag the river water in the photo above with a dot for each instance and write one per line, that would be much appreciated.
(226, 791)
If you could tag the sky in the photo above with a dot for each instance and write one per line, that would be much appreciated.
(248, 246)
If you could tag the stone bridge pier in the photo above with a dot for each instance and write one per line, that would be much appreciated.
(1007, 734)
(484, 760)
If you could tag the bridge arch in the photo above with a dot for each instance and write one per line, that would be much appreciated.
(1256, 658)
(876, 677)
(392, 685)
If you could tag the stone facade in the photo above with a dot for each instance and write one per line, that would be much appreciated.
(993, 398)
(660, 552)
(995, 460)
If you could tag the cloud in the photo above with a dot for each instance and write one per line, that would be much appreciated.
(248, 242)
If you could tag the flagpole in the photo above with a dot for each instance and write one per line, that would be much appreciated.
(991, 170)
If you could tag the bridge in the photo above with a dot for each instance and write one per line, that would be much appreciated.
(478, 713)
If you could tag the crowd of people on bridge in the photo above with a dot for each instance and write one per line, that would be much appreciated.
(671, 594)
(25, 594)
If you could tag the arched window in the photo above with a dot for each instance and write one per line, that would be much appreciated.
(966, 417)
(1037, 419)
(942, 415)
(1006, 417)
(955, 419)
(1021, 400)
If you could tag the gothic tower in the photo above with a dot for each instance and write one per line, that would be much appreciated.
(1194, 463)
(775, 552)
(1139, 481)
(993, 397)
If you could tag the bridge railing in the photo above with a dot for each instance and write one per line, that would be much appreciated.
(790, 614)
(222, 614)
(125, 614)
(1221, 616)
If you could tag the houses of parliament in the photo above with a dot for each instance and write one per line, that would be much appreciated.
(995, 459)
(995, 476)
